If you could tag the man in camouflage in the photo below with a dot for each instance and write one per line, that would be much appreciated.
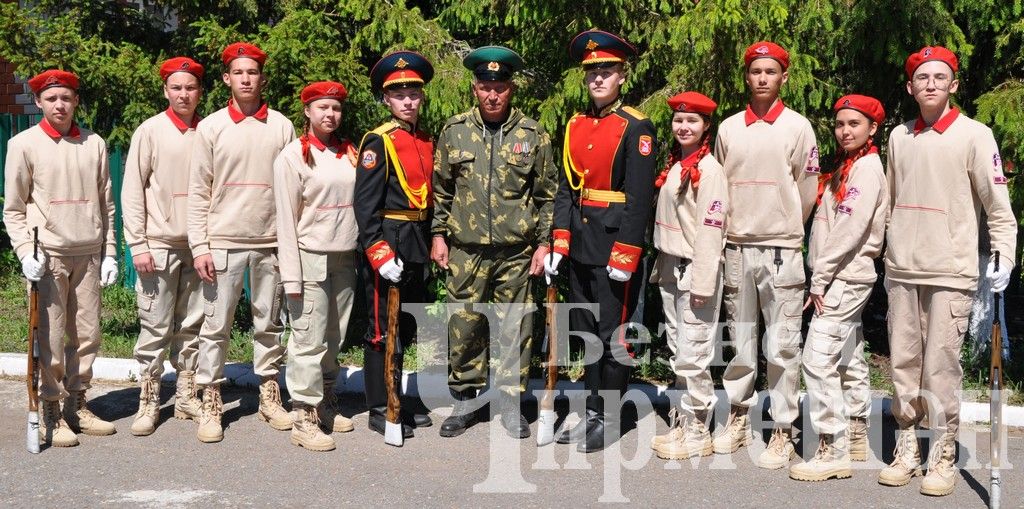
(494, 186)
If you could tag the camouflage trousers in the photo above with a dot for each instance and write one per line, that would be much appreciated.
(499, 275)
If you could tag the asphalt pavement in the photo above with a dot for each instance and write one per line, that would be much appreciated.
(256, 466)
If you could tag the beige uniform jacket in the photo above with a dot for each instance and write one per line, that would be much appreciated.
(60, 184)
(314, 209)
(941, 179)
(846, 237)
(230, 202)
(691, 224)
(155, 189)
(772, 167)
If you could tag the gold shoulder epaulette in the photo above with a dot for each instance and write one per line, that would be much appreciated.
(634, 112)
(385, 128)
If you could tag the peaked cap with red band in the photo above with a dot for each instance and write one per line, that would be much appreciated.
(52, 78)
(323, 90)
(243, 50)
(766, 49)
(595, 47)
(692, 102)
(181, 64)
(401, 68)
(931, 54)
(869, 106)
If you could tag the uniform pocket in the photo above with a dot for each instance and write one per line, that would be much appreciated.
(733, 266)
(159, 259)
(825, 345)
(960, 310)
(314, 266)
(220, 259)
(791, 272)
(242, 209)
(74, 221)
(299, 312)
(834, 294)
(919, 239)
(768, 218)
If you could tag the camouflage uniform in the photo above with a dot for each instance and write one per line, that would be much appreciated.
(493, 203)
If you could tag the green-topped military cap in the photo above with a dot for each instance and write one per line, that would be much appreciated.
(493, 63)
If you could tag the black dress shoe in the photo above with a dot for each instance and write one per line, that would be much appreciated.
(578, 432)
(516, 427)
(417, 420)
(378, 420)
(463, 416)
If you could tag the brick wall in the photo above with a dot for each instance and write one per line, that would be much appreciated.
(13, 93)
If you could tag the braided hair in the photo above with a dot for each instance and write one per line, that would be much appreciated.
(836, 181)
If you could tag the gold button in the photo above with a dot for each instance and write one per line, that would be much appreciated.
(596, 121)
(585, 220)
(586, 172)
(590, 146)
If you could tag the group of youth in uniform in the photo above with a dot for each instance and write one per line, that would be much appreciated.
(208, 200)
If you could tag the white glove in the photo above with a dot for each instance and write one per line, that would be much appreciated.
(108, 271)
(551, 262)
(392, 270)
(1000, 279)
(618, 275)
(33, 269)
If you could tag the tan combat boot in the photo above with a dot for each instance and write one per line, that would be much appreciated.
(186, 403)
(694, 441)
(857, 432)
(209, 429)
(149, 407)
(907, 463)
(80, 418)
(832, 459)
(53, 429)
(675, 430)
(736, 433)
(941, 476)
(780, 450)
(271, 410)
(306, 430)
(329, 411)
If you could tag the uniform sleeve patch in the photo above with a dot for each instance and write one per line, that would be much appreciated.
(1000, 180)
(715, 223)
(369, 159)
(844, 209)
(812, 161)
(715, 207)
(646, 145)
(851, 194)
(997, 162)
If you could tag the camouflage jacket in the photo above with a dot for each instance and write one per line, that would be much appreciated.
(493, 189)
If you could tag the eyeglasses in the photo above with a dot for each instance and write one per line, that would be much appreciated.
(941, 81)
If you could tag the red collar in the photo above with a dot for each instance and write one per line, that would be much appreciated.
(179, 123)
(237, 116)
(940, 125)
(690, 160)
(773, 113)
(56, 135)
(315, 142)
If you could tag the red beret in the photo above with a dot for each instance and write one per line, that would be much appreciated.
(869, 106)
(766, 49)
(692, 102)
(929, 54)
(323, 90)
(52, 78)
(181, 64)
(243, 50)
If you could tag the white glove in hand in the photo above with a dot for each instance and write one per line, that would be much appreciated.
(33, 269)
(1000, 279)
(108, 271)
(551, 262)
(618, 275)
(392, 270)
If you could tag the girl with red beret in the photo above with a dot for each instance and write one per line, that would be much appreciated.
(846, 237)
(689, 233)
(314, 179)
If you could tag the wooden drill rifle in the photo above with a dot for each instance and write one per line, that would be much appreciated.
(393, 381)
(32, 375)
(546, 416)
(995, 380)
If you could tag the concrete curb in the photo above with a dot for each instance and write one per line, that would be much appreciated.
(350, 380)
